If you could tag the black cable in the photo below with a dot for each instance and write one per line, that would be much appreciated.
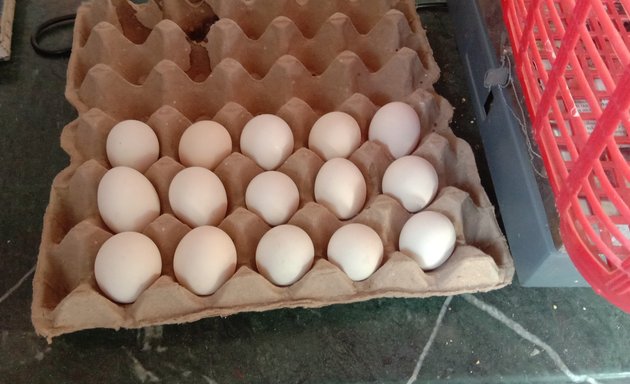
(47, 26)
(437, 5)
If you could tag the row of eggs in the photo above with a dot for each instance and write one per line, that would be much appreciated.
(205, 258)
(267, 139)
(127, 202)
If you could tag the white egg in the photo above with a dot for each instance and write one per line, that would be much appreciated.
(197, 197)
(268, 140)
(132, 143)
(429, 238)
(284, 254)
(204, 144)
(412, 181)
(397, 126)
(204, 260)
(273, 196)
(357, 250)
(340, 187)
(335, 134)
(127, 264)
(126, 200)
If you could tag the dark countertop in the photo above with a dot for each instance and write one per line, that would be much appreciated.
(514, 335)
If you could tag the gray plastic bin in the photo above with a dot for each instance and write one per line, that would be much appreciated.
(524, 198)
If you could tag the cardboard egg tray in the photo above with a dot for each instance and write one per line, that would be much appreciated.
(171, 63)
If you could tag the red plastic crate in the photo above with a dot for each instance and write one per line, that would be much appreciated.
(573, 61)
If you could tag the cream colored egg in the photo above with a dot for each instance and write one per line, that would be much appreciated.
(335, 134)
(284, 254)
(204, 260)
(273, 196)
(268, 140)
(125, 265)
(126, 200)
(412, 181)
(132, 143)
(357, 250)
(429, 238)
(197, 197)
(397, 126)
(204, 144)
(340, 187)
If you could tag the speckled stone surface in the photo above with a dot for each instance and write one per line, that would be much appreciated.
(379, 341)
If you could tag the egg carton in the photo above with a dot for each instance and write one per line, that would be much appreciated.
(65, 295)
(258, 38)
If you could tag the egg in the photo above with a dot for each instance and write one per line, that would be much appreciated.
(412, 181)
(335, 134)
(397, 126)
(356, 249)
(340, 187)
(273, 196)
(125, 265)
(268, 140)
(284, 254)
(132, 143)
(204, 144)
(429, 238)
(197, 197)
(126, 200)
(204, 260)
